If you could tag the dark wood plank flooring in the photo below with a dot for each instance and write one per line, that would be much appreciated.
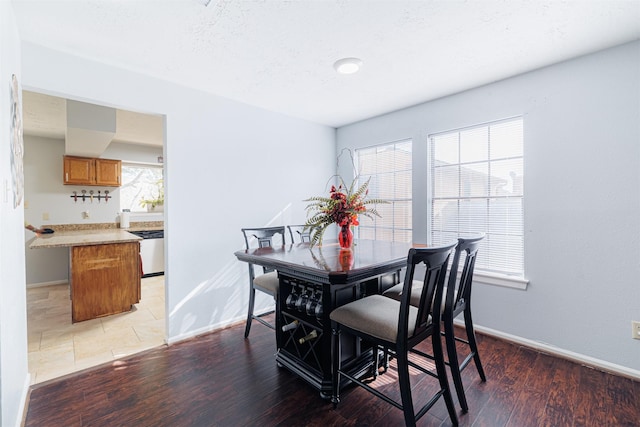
(221, 379)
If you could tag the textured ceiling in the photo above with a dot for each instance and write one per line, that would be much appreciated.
(278, 54)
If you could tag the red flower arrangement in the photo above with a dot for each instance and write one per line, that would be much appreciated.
(342, 207)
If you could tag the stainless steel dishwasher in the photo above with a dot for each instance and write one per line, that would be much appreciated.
(151, 252)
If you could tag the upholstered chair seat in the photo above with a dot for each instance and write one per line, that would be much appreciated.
(395, 292)
(375, 315)
(268, 281)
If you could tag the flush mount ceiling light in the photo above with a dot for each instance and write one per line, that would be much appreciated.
(347, 65)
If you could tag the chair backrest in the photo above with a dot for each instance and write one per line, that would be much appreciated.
(435, 261)
(263, 235)
(299, 234)
(459, 285)
(264, 238)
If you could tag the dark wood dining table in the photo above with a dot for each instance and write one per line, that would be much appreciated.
(314, 281)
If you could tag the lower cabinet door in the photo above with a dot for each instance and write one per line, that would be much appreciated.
(105, 279)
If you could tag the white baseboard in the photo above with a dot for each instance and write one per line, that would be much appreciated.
(197, 332)
(214, 327)
(43, 284)
(559, 352)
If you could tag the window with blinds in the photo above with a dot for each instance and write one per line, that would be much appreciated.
(477, 186)
(389, 168)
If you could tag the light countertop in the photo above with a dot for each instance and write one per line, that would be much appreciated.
(82, 238)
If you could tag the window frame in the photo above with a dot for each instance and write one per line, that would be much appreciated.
(483, 275)
(125, 164)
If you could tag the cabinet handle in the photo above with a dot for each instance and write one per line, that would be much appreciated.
(66, 176)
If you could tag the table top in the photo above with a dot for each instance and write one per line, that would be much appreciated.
(329, 263)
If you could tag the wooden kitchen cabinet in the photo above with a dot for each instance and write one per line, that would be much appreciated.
(108, 172)
(91, 171)
(79, 170)
(105, 279)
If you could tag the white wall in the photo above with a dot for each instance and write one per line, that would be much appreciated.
(14, 378)
(582, 198)
(47, 194)
(227, 166)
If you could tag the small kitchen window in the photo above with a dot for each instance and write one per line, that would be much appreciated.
(142, 188)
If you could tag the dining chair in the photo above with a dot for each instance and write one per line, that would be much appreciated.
(267, 282)
(397, 327)
(299, 234)
(457, 300)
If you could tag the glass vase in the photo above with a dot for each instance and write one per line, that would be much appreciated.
(345, 257)
(345, 237)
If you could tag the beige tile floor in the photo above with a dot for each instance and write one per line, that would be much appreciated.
(58, 347)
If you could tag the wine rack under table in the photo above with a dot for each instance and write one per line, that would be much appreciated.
(303, 327)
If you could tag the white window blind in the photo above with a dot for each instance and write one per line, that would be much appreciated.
(477, 186)
(389, 167)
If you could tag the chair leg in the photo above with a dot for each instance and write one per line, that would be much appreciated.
(383, 352)
(385, 359)
(376, 361)
(335, 366)
(405, 388)
(252, 299)
(452, 354)
(442, 377)
(471, 337)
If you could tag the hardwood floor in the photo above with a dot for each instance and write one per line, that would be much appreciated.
(221, 379)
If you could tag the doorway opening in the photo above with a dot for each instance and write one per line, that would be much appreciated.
(57, 346)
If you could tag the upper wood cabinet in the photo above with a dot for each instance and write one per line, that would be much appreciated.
(90, 171)
(108, 172)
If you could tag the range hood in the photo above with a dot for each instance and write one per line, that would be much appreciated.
(90, 129)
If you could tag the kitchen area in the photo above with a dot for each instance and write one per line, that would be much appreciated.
(95, 278)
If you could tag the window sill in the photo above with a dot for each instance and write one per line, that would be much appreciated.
(500, 280)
